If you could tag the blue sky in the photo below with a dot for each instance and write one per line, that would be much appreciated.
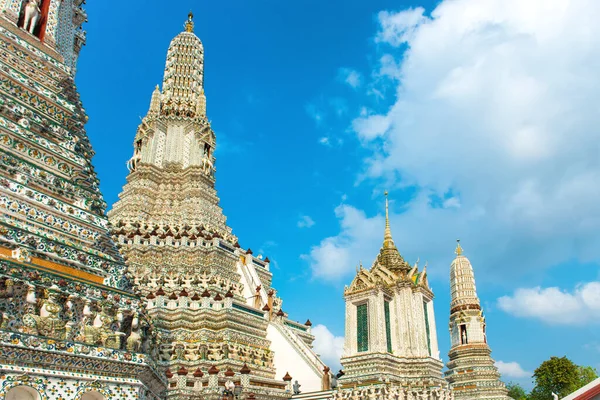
(479, 117)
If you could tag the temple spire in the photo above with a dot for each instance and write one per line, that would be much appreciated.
(387, 237)
(189, 24)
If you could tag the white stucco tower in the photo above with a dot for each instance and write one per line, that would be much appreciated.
(471, 371)
(390, 327)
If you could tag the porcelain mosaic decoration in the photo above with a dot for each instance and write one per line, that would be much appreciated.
(190, 313)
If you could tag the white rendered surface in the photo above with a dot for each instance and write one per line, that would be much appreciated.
(288, 359)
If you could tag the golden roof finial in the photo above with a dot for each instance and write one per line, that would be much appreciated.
(387, 237)
(459, 249)
(189, 24)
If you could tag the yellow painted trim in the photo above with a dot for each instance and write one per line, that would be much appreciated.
(49, 265)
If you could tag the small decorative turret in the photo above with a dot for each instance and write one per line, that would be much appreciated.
(155, 102)
(471, 370)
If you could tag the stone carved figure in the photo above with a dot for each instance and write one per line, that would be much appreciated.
(165, 352)
(395, 393)
(32, 15)
(207, 165)
(204, 280)
(101, 331)
(48, 321)
(192, 352)
(134, 341)
(334, 382)
(171, 281)
(371, 395)
(233, 352)
(137, 157)
(257, 298)
(214, 352)
(179, 352)
(188, 281)
(153, 280)
(296, 387)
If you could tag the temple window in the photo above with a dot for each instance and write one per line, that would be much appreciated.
(427, 331)
(463, 334)
(388, 330)
(34, 17)
(362, 327)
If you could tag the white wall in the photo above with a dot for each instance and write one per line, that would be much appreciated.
(288, 360)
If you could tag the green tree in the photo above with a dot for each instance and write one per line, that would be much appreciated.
(561, 376)
(586, 375)
(516, 391)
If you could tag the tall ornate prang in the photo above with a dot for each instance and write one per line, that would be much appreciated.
(391, 342)
(219, 321)
(471, 371)
(70, 322)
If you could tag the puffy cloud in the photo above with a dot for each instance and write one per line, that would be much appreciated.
(328, 346)
(335, 256)
(305, 222)
(350, 76)
(555, 306)
(495, 114)
(512, 370)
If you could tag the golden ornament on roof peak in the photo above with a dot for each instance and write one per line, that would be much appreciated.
(459, 249)
(189, 24)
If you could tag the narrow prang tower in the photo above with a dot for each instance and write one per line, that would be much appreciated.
(471, 370)
(391, 343)
(219, 321)
(70, 325)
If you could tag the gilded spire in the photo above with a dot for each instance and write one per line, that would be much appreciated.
(387, 237)
(189, 24)
(459, 249)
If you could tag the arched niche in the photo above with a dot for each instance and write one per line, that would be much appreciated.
(22, 393)
(92, 395)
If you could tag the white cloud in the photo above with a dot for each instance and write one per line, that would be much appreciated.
(512, 370)
(328, 346)
(555, 306)
(325, 141)
(497, 103)
(305, 222)
(350, 76)
(335, 257)
(399, 28)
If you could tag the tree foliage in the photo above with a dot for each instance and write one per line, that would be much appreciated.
(586, 375)
(561, 376)
(516, 391)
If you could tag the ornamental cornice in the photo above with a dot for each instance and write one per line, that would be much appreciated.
(26, 50)
(70, 362)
